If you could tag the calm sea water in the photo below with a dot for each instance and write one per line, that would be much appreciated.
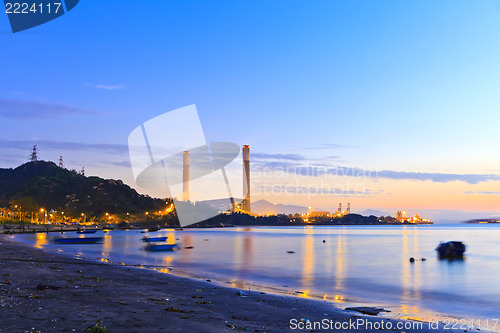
(362, 264)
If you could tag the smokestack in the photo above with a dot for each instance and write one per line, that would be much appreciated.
(185, 176)
(246, 204)
(340, 207)
(348, 208)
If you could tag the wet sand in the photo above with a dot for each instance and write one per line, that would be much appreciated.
(49, 292)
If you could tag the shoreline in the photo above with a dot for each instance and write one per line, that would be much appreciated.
(10, 229)
(130, 300)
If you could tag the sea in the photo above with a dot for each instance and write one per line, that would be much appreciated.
(348, 265)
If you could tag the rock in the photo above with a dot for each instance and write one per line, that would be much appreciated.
(412, 259)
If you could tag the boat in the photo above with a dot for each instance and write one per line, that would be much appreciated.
(86, 231)
(78, 240)
(154, 239)
(451, 249)
(160, 247)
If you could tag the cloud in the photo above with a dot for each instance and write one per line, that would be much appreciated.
(483, 192)
(125, 164)
(24, 109)
(106, 86)
(311, 190)
(438, 177)
(312, 170)
(290, 157)
(72, 146)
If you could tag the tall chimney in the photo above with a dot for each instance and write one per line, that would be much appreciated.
(246, 204)
(185, 176)
(348, 208)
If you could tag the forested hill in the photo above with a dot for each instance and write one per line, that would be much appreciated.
(44, 184)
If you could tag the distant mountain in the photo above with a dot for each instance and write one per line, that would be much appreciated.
(44, 184)
(266, 207)
(377, 213)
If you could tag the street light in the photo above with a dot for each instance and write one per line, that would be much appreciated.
(44, 213)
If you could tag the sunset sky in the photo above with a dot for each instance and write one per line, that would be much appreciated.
(403, 94)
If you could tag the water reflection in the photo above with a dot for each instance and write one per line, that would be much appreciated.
(244, 253)
(307, 262)
(107, 245)
(358, 263)
(341, 255)
(410, 275)
(40, 240)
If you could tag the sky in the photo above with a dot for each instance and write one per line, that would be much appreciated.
(384, 104)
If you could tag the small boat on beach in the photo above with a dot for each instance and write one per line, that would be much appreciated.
(154, 239)
(451, 249)
(160, 247)
(78, 240)
(86, 231)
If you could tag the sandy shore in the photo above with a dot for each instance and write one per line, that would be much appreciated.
(47, 292)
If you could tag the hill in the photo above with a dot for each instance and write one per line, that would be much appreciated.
(266, 207)
(44, 184)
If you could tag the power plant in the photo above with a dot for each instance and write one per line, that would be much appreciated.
(246, 204)
(340, 212)
(185, 176)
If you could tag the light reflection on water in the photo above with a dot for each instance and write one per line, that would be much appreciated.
(355, 263)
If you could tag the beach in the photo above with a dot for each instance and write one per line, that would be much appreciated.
(42, 291)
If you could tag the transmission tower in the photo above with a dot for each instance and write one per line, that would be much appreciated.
(34, 155)
(61, 164)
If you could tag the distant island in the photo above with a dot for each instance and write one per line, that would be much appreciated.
(481, 221)
(43, 193)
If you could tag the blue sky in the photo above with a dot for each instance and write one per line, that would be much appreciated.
(403, 87)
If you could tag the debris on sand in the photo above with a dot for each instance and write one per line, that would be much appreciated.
(369, 310)
(46, 286)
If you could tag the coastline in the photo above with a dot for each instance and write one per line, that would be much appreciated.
(132, 300)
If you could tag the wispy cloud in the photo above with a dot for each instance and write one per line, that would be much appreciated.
(106, 86)
(290, 157)
(312, 190)
(438, 177)
(25, 109)
(125, 164)
(312, 170)
(483, 192)
(72, 146)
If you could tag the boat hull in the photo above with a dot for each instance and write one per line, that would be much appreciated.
(85, 240)
(160, 247)
(86, 231)
(154, 239)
